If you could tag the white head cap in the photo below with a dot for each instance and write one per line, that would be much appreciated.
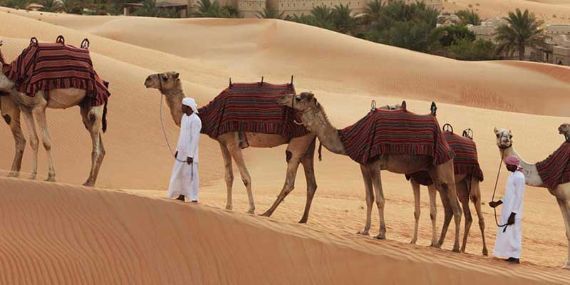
(190, 102)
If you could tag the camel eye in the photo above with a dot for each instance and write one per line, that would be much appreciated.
(510, 136)
(498, 135)
(164, 77)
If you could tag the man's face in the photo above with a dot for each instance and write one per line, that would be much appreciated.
(512, 168)
(186, 110)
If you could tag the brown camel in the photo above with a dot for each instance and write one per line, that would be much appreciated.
(468, 188)
(12, 103)
(299, 150)
(561, 192)
(315, 120)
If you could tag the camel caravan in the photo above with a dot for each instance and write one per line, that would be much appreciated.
(266, 115)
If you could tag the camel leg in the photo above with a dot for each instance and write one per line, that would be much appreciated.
(237, 155)
(476, 199)
(379, 193)
(448, 214)
(229, 176)
(446, 176)
(293, 160)
(433, 214)
(34, 141)
(308, 162)
(416, 189)
(92, 121)
(463, 196)
(40, 116)
(11, 114)
(369, 198)
(565, 209)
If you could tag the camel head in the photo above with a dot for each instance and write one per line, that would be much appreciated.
(5, 84)
(564, 129)
(163, 81)
(504, 138)
(302, 102)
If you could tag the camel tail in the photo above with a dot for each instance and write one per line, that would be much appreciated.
(104, 119)
(320, 151)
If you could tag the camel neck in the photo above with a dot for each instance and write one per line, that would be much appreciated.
(511, 151)
(316, 121)
(174, 98)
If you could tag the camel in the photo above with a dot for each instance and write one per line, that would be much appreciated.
(564, 129)
(14, 103)
(299, 150)
(562, 192)
(467, 189)
(314, 118)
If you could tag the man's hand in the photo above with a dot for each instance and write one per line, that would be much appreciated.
(189, 160)
(511, 220)
(176, 155)
(495, 204)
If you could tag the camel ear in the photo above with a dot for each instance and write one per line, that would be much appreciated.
(496, 131)
(175, 75)
(311, 96)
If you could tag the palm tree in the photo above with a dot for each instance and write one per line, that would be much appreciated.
(322, 16)
(468, 17)
(373, 12)
(269, 13)
(342, 19)
(212, 9)
(522, 30)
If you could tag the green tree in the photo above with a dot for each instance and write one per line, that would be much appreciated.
(373, 12)
(16, 4)
(343, 20)
(52, 5)
(405, 25)
(149, 9)
(269, 13)
(213, 9)
(468, 17)
(521, 31)
(449, 35)
(465, 49)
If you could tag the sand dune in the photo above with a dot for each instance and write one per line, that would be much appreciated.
(550, 11)
(73, 235)
(345, 74)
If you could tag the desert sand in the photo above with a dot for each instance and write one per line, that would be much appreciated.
(126, 232)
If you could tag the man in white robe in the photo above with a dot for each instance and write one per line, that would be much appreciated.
(184, 182)
(509, 233)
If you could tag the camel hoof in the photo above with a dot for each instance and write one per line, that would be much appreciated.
(485, 252)
(50, 179)
(380, 237)
(363, 233)
(13, 174)
(88, 184)
(251, 211)
(413, 241)
(456, 249)
(266, 214)
(32, 177)
(303, 221)
(567, 266)
(229, 207)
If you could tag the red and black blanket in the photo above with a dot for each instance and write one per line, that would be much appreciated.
(251, 107)
(47, 66)
(465, 161)
(555, 169)
(395, 132)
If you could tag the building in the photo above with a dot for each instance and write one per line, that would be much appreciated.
(252, 8)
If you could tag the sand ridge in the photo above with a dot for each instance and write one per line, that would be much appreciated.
(345, 74)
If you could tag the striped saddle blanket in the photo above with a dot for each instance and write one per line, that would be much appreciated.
(395, 132)
(465, 161)
(555, 169)
(48, 66)
(250, 107)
